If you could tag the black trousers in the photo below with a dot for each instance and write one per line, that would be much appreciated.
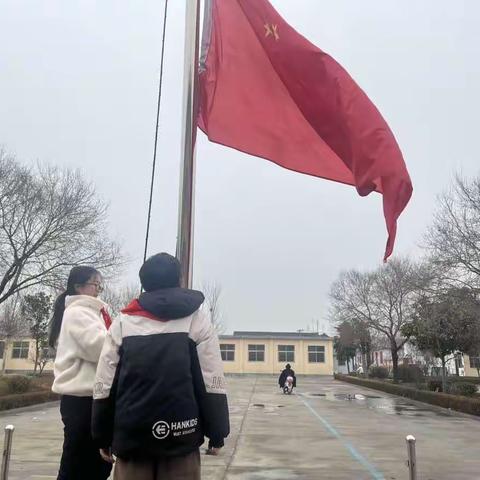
(80, 459)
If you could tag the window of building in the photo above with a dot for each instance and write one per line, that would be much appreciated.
(228, 352)
(474, 362)
(2, 349)
(20, 349)
(256, 353)
(286, 353)
(316, 354)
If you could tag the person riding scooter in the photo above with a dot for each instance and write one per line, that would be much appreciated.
(287, 380)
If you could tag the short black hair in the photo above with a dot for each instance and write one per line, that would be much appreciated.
(160, 271)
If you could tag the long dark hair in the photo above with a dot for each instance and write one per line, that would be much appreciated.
(78, 276)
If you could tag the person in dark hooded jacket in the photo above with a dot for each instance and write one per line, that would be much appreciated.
(288, 372)
(160, 387)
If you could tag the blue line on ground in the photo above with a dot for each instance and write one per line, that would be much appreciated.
(376, 475)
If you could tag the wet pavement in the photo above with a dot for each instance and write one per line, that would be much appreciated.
(327, 430)
(389, 405)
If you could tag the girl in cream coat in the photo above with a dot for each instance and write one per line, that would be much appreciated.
(78, 329)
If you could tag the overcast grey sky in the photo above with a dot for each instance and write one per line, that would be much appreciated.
(78, 86)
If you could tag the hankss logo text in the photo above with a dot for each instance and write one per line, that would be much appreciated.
(161, 430)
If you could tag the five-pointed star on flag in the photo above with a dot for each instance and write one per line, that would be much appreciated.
(271, 29)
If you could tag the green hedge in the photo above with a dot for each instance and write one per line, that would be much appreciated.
(451, 379)
(475, 380)
(454, 402)
(27, 399)
(378, 372)
(463, 388)
(18, 383)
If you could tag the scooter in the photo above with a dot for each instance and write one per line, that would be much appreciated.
(288, 387)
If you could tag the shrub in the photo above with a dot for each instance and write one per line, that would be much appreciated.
(378, 372)
(435, 385)
(26, 399)
(453, 402)
(473, 380)
(462, 388)
(410, 373)
(18, 383)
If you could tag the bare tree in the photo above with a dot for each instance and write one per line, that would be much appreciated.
(36, 312)
(118, 297)
(453, 239)
(47, 355)
(50, 220)
(445, 325)
(12, 323)
(213, 292)
(382, 300)
(346, 343)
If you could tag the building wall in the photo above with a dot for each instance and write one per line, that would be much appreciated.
(469, 371)
(341, 368)
(271, 365)
(20, 364)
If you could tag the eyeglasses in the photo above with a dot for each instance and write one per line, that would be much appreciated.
(98, 286)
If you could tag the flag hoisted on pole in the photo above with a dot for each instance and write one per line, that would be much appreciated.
(267, 91)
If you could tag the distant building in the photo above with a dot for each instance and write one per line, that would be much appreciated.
(456, 364)
(266, 352)
(472, 365)
(269, 352)
(340, 366)
(18, 355)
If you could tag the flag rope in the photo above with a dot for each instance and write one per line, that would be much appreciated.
(154, 162)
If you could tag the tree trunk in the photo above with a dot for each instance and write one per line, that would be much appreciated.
(444, 375)
(394, 352)
(369, 356)
(37, 356)
(5, 351)
(4, 363)
(348, 365)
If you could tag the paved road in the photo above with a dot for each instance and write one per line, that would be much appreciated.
(319, 433)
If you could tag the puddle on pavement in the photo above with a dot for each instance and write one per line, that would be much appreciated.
(269, 409)
(388, 406)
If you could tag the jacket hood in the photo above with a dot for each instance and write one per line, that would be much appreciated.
(168, 303)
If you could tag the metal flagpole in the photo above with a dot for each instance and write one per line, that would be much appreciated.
(187, 172)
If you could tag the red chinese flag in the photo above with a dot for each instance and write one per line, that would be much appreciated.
(269, 92)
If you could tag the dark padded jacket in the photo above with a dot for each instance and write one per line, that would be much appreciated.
(160, 386)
